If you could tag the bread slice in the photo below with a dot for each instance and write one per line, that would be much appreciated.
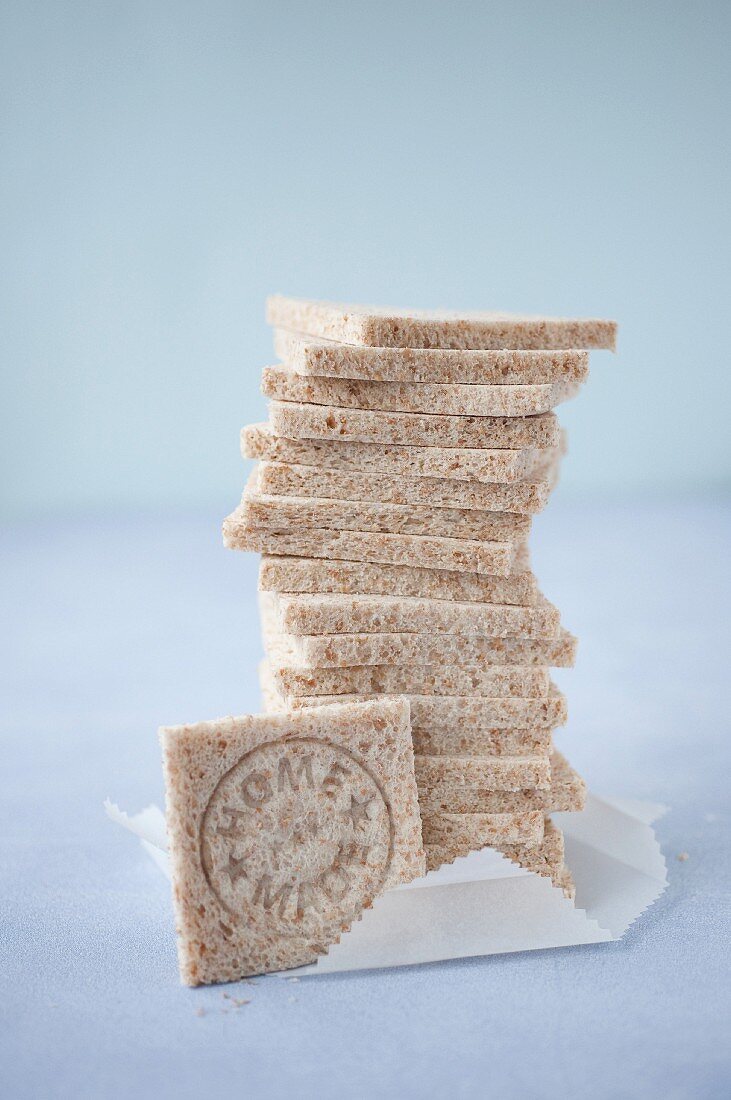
(461, 555)
(282, 829)
(280, 513)
(318, 575)
(490, 681)
(463, 833)
(310, 356)
(450, 463)
(382, 326)
(524, 497)
(566, 794)
(300, 421)
(322, 613)
(546, 858)
(439, 713)
(448, 399)
(343, 650)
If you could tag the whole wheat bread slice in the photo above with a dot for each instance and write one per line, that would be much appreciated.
(301, 575)
(490, 681)
(446, 399)
(299, 421)
(324, 613)
(567, 792)
(463, 833)
(461, 555)
(452, 463)
(438, 713)
(383, 326)
(279, 513)
(525, 497)
(342, 650)
(310, 356)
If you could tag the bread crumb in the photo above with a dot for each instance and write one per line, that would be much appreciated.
(200, 1012)
(683, 856)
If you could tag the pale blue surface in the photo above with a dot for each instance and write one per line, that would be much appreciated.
(116, 627)
(169, 163)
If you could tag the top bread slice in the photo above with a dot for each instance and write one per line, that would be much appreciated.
(309, 356)
(378, 326)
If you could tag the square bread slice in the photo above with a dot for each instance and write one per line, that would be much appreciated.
(489, 465)
(326, 613)
(463, 833)
(299, 421)
(343, 650)
(567, 792)
(448, 399)
(485, 741)
(490, 681)
(384, 326)
(461, 555)
(280, 513)
(546, 858)
(309, 356)
(439, 713)
(525, 497)
(317, 575)
(282, 829)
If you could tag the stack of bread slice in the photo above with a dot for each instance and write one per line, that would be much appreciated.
(396, 480)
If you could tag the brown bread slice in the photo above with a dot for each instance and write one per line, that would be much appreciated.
(453, 463)
(342, 650)
(310, 356)
(447, 399)
(461, 555)
(326, 613)
(384, 326)
(318, 575)
(299, 421)
(490, 681)
(523, 497)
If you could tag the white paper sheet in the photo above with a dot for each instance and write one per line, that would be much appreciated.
(483, 904)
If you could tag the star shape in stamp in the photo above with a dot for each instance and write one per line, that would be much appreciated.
(358, 810)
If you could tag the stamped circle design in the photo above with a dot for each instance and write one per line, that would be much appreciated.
(297, 836)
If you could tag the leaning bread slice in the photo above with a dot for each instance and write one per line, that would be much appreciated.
(342, 650)
(282, 829)
(300, 421)
(309, 356)
(385, 326)
(480, 464)
(280, 513)
(326, 613)
(525, 497)
(490, 681)
(447, 399)
(318, 575)
(466, 555)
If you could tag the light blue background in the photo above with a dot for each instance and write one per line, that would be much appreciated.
(169, 163)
